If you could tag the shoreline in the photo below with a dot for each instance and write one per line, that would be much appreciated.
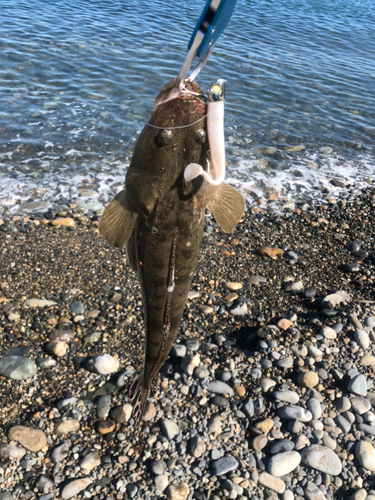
(224, 445)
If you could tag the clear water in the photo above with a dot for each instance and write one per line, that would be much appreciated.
(78, 80)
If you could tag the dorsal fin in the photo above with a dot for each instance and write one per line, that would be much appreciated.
(227, 207)
(118, 220)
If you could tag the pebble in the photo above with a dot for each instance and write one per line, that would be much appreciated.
(367, 360)
(74, 487)
(239, 309)
(161, 482)
(178, 351)
(158, 467)
(77, 307)
(329, 333)
(90, 461)
(272, 253)
(281, 445)
(57, 347)
(11, 451)
(104, 406)
(106, 364)
(365, 454)
(30, 438)
(259, 442)
(314, 407)
(284, 463)
(322, 458)
(150, 411)
(314, 493)
(294, 413)
(284, 324)
(360, 405)
(370, 322)
(190, 363)
(231, 285)
(342, 404)
(59, 453)
(287, 396)
(65, 222)
(362, 338)
(271, 482)
(169, 429)
(106, 426)
(201, 372)
(267, 384)
(17, 367)
(224, 465)
(197, 447)
(66, 427)
(285, 363)
(358, 385)
(122, 413)
(214, 424)
(192, 344)
(308, 379)
(332, 300)
(40, 303)
(218, 387)
(178, 492)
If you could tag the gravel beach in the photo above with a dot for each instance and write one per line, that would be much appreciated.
(268, 393)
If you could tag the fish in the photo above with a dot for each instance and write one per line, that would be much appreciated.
(159, 216)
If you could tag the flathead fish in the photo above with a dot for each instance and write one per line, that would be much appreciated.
(160, 216)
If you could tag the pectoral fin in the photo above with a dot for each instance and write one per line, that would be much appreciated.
(118, 220)
(227, 207)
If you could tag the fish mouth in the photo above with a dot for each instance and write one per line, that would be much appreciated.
(170, 92)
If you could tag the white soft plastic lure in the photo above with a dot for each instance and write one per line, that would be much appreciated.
(215, 129)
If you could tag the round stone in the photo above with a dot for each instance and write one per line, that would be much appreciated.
(365, 454)
(74, 487)
(66, 427)
(284, 463)
(158, 467)
(197, 447)
(59, 453)
(106, 364)
(294, 413)
(287, 396)
(218, 387)
(358, 385)
(308, 379)
(322, 459)
(122, 413)
(224, 465)
(30, 438)
(90, 461)
(106, 426)
(169, 429)
(57, 347)
(178, 491)
(360, 405)
(17, 367)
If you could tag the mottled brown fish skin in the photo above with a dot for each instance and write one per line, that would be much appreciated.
(169, 229)
(160, 218)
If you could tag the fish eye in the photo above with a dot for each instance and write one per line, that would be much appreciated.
(163, 137)
(200, 136)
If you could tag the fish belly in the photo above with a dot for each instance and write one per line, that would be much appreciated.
(168, 245)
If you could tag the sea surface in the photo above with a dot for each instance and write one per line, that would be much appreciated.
(78, 80)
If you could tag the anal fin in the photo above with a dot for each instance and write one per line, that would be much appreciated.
(118, 220)
(227, 206)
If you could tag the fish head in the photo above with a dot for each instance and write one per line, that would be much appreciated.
(174, 137)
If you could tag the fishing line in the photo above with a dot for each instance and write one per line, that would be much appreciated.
(181, 126)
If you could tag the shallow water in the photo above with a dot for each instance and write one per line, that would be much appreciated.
(78, 80)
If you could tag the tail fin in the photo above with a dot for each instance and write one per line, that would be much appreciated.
(138, 396)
